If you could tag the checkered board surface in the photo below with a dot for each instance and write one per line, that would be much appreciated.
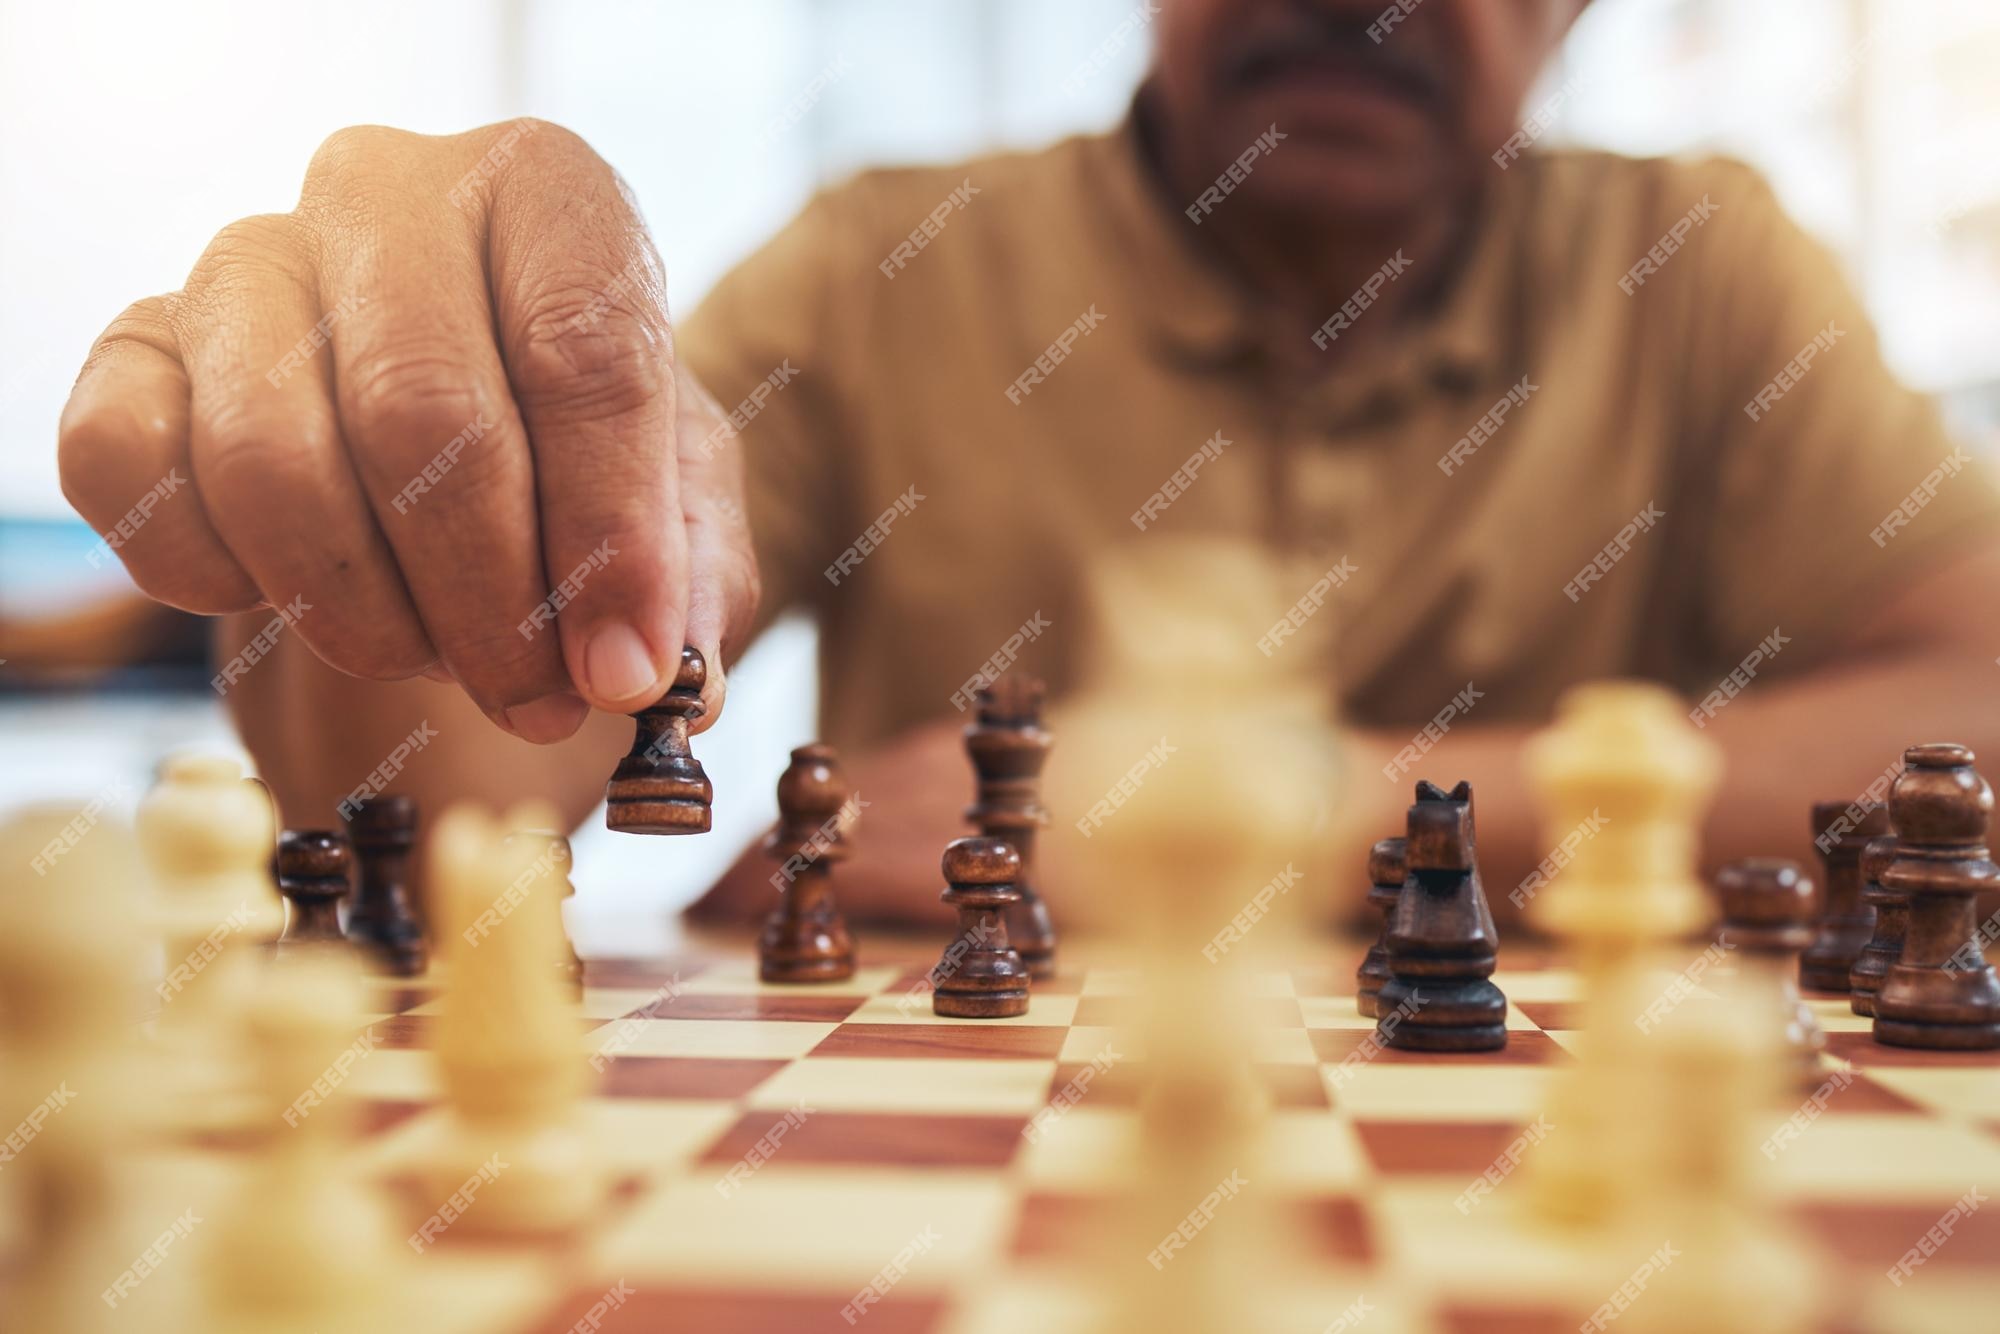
(918, 1123)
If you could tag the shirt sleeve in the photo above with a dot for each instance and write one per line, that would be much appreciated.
(1833, 485)
(763, 344)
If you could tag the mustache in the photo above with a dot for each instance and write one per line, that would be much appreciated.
(1338, 45)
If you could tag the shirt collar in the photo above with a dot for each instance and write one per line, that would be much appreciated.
(1197, 311)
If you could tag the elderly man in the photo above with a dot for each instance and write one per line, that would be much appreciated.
(1545, 416)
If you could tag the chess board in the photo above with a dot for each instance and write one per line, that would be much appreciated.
(902, 1147)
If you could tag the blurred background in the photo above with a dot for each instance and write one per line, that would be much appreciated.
(130, 133)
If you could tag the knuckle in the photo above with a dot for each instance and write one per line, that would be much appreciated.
(246, 450)
(546, 152)
(112, 441)
(533, 137)
(352, 148)
(402, 405)
(355, 170)
(253, 247)
(374, 648)
(591, 351)
(500, 666)
(147, 322)
(482, 157)
(203, 585)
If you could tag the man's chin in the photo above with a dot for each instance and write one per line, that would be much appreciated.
(1338, 186)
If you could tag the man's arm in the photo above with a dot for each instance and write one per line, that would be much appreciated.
(1921, 667)
(1918, 668)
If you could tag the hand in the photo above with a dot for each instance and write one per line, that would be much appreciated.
(432, 417)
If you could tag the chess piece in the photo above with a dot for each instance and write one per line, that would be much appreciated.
(805, 938)
(1710, 1088)
(980, 975)
(313, 867)
(303, 1243)
(1892, 920)
(1241, 773)
(1008, 747)
(1769, 908)
(660, 787)
(1386, 871)
(1622, 752)
(553, 859)
(1846, 922)
(207, 833)
(381, 918)
(570, 967)
(69, 951)
(507, 1048)
(1941, 994)
(1442, 944)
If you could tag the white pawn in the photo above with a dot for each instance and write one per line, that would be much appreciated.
(552, 851)
(1241, 772)
(303, 1246)
(209, 835)
(1711, 1087)
(69, 961)
(516, 1148)
(1622, 764)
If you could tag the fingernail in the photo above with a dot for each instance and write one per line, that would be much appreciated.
(550, 718)
(616, 664)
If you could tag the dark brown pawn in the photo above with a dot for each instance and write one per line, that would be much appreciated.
(1769, 908)
(1442, 943)
(1892, 919)
(1385, 886)
(380, 918)
(980, 975)
(660, 787)
(805, 939)
(313, 866)
(1845, 921)
(1942, 993)
(1008, 748)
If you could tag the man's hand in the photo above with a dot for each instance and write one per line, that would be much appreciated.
(423, 412)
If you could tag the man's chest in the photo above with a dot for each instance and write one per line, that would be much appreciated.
(1520, 531)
